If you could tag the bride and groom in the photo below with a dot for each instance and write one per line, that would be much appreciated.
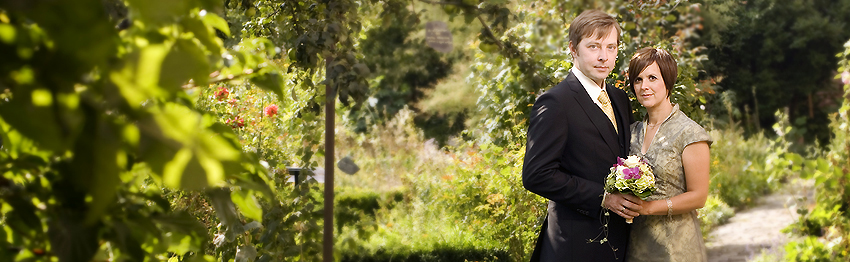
(579, 128)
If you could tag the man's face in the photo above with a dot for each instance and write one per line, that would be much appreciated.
(595, 56)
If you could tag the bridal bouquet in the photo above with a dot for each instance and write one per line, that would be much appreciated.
(631, 176)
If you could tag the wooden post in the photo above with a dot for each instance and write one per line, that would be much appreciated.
(330, 99)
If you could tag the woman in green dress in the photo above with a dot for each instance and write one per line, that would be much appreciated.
(677, 148)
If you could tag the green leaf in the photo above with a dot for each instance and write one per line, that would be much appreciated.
(183, 232)
(204, 34)
(219, 146)
(130, 135)
(179, 145)
(823, 166)
(7, 34)
(126, 241)
(179, 244)
(506, 171)
(158, 12)
(795, 159)
(629, 26)
(257, 182)
(248, 204)
(174, 170)
(223, 204)
(138, 77)
(216, 22)
(270, 80)
(184, 61)
(15, 143)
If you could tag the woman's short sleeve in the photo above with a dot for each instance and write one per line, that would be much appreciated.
(695, 133)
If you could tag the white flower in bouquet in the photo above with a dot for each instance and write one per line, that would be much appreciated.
(632, 161)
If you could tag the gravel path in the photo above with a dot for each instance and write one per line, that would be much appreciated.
(756, 231)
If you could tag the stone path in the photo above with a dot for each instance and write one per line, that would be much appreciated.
(755, 231)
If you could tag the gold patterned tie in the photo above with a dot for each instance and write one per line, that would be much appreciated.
(606, 107)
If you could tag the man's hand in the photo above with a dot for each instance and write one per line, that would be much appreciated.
(625, 205)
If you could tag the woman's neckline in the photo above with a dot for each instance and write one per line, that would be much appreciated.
(654, 135)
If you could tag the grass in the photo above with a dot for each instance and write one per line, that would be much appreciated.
(388, 154)
(396, 158)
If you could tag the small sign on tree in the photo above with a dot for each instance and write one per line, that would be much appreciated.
(438, 36)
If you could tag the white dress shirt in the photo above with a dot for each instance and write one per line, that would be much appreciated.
(592, 89)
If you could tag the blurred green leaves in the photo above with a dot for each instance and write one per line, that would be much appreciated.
(93, 121)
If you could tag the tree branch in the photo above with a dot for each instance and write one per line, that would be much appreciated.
(222, 79)
(490, 32)
(441, 2)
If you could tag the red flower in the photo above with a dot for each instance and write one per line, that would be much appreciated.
(221, 93)
(271, 110)
(236, 122)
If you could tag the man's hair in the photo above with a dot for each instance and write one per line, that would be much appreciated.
(592, 22)
(644, 57)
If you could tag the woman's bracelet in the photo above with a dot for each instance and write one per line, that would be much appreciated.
(669, 208)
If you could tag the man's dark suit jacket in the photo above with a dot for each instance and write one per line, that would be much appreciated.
(571, 146)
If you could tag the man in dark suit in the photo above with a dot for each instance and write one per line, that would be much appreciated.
(577, 130)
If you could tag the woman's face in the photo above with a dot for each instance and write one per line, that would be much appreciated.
(649, 87)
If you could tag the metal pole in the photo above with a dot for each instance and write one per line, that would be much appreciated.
(330, 99)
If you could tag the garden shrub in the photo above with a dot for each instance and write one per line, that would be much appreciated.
(714, 213)
(439, 254)
(743, 169)
(826, 227)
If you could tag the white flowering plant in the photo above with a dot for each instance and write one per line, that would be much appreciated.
(632, 175)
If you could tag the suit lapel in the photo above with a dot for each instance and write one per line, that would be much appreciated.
(597, 117)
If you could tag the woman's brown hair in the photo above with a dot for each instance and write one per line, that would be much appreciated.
(644, 57)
